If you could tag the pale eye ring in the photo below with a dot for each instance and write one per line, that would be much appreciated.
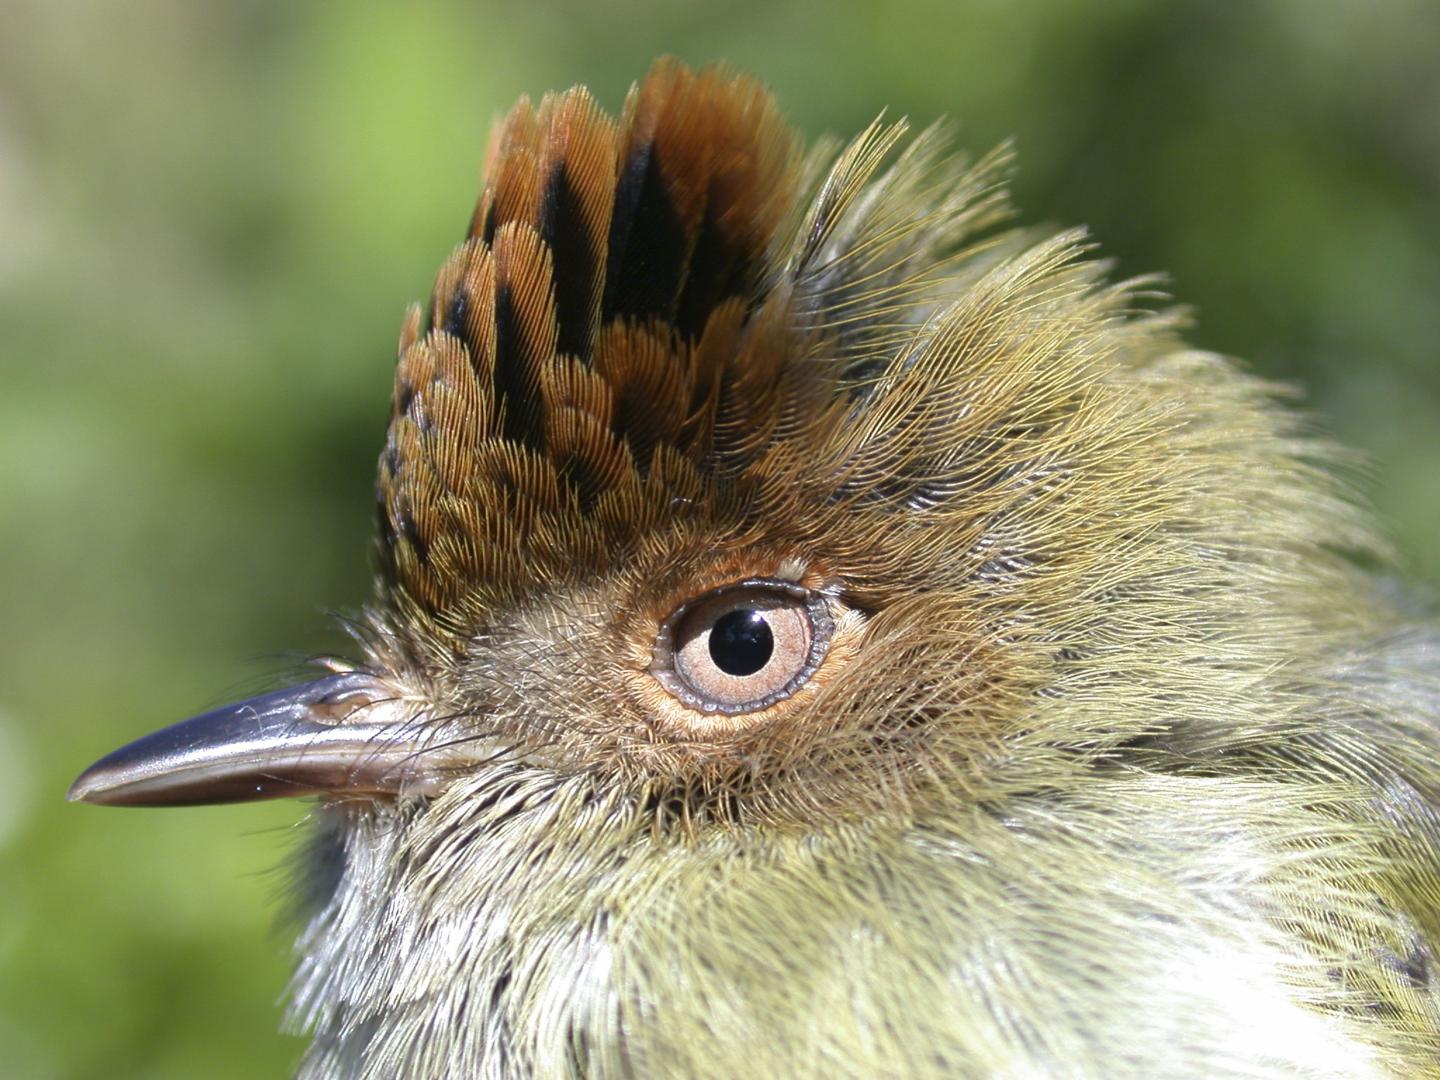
(742, 647)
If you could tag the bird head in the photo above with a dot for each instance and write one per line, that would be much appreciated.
(806, 606)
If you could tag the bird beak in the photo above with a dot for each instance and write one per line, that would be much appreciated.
(345, 734)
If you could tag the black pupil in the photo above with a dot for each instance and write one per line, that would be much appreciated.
(741, 642)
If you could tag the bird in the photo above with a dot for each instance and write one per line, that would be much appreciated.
(824, 627)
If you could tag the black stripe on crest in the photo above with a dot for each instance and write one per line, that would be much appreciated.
(648, 244)
(575, 262)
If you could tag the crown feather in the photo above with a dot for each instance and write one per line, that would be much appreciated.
(642, 292)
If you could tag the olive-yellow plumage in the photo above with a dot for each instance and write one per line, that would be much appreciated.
(822, 630)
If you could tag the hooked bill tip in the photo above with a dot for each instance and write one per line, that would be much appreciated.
(82, 790)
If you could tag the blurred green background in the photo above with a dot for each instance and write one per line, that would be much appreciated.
(212, 216)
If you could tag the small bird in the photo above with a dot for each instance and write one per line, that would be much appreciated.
(824, 629)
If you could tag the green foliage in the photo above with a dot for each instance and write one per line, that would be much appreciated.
(212, 217)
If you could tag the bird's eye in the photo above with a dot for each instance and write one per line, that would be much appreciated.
(742, 647)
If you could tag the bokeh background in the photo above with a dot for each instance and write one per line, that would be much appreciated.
(212, 216)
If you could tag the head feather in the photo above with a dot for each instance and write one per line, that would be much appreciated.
(647, 287)
(1108, 757)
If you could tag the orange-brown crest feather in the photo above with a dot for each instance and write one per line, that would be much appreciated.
(525, 329)
(576, 203)
(707, 173)
(591, 317)
(649, 366)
